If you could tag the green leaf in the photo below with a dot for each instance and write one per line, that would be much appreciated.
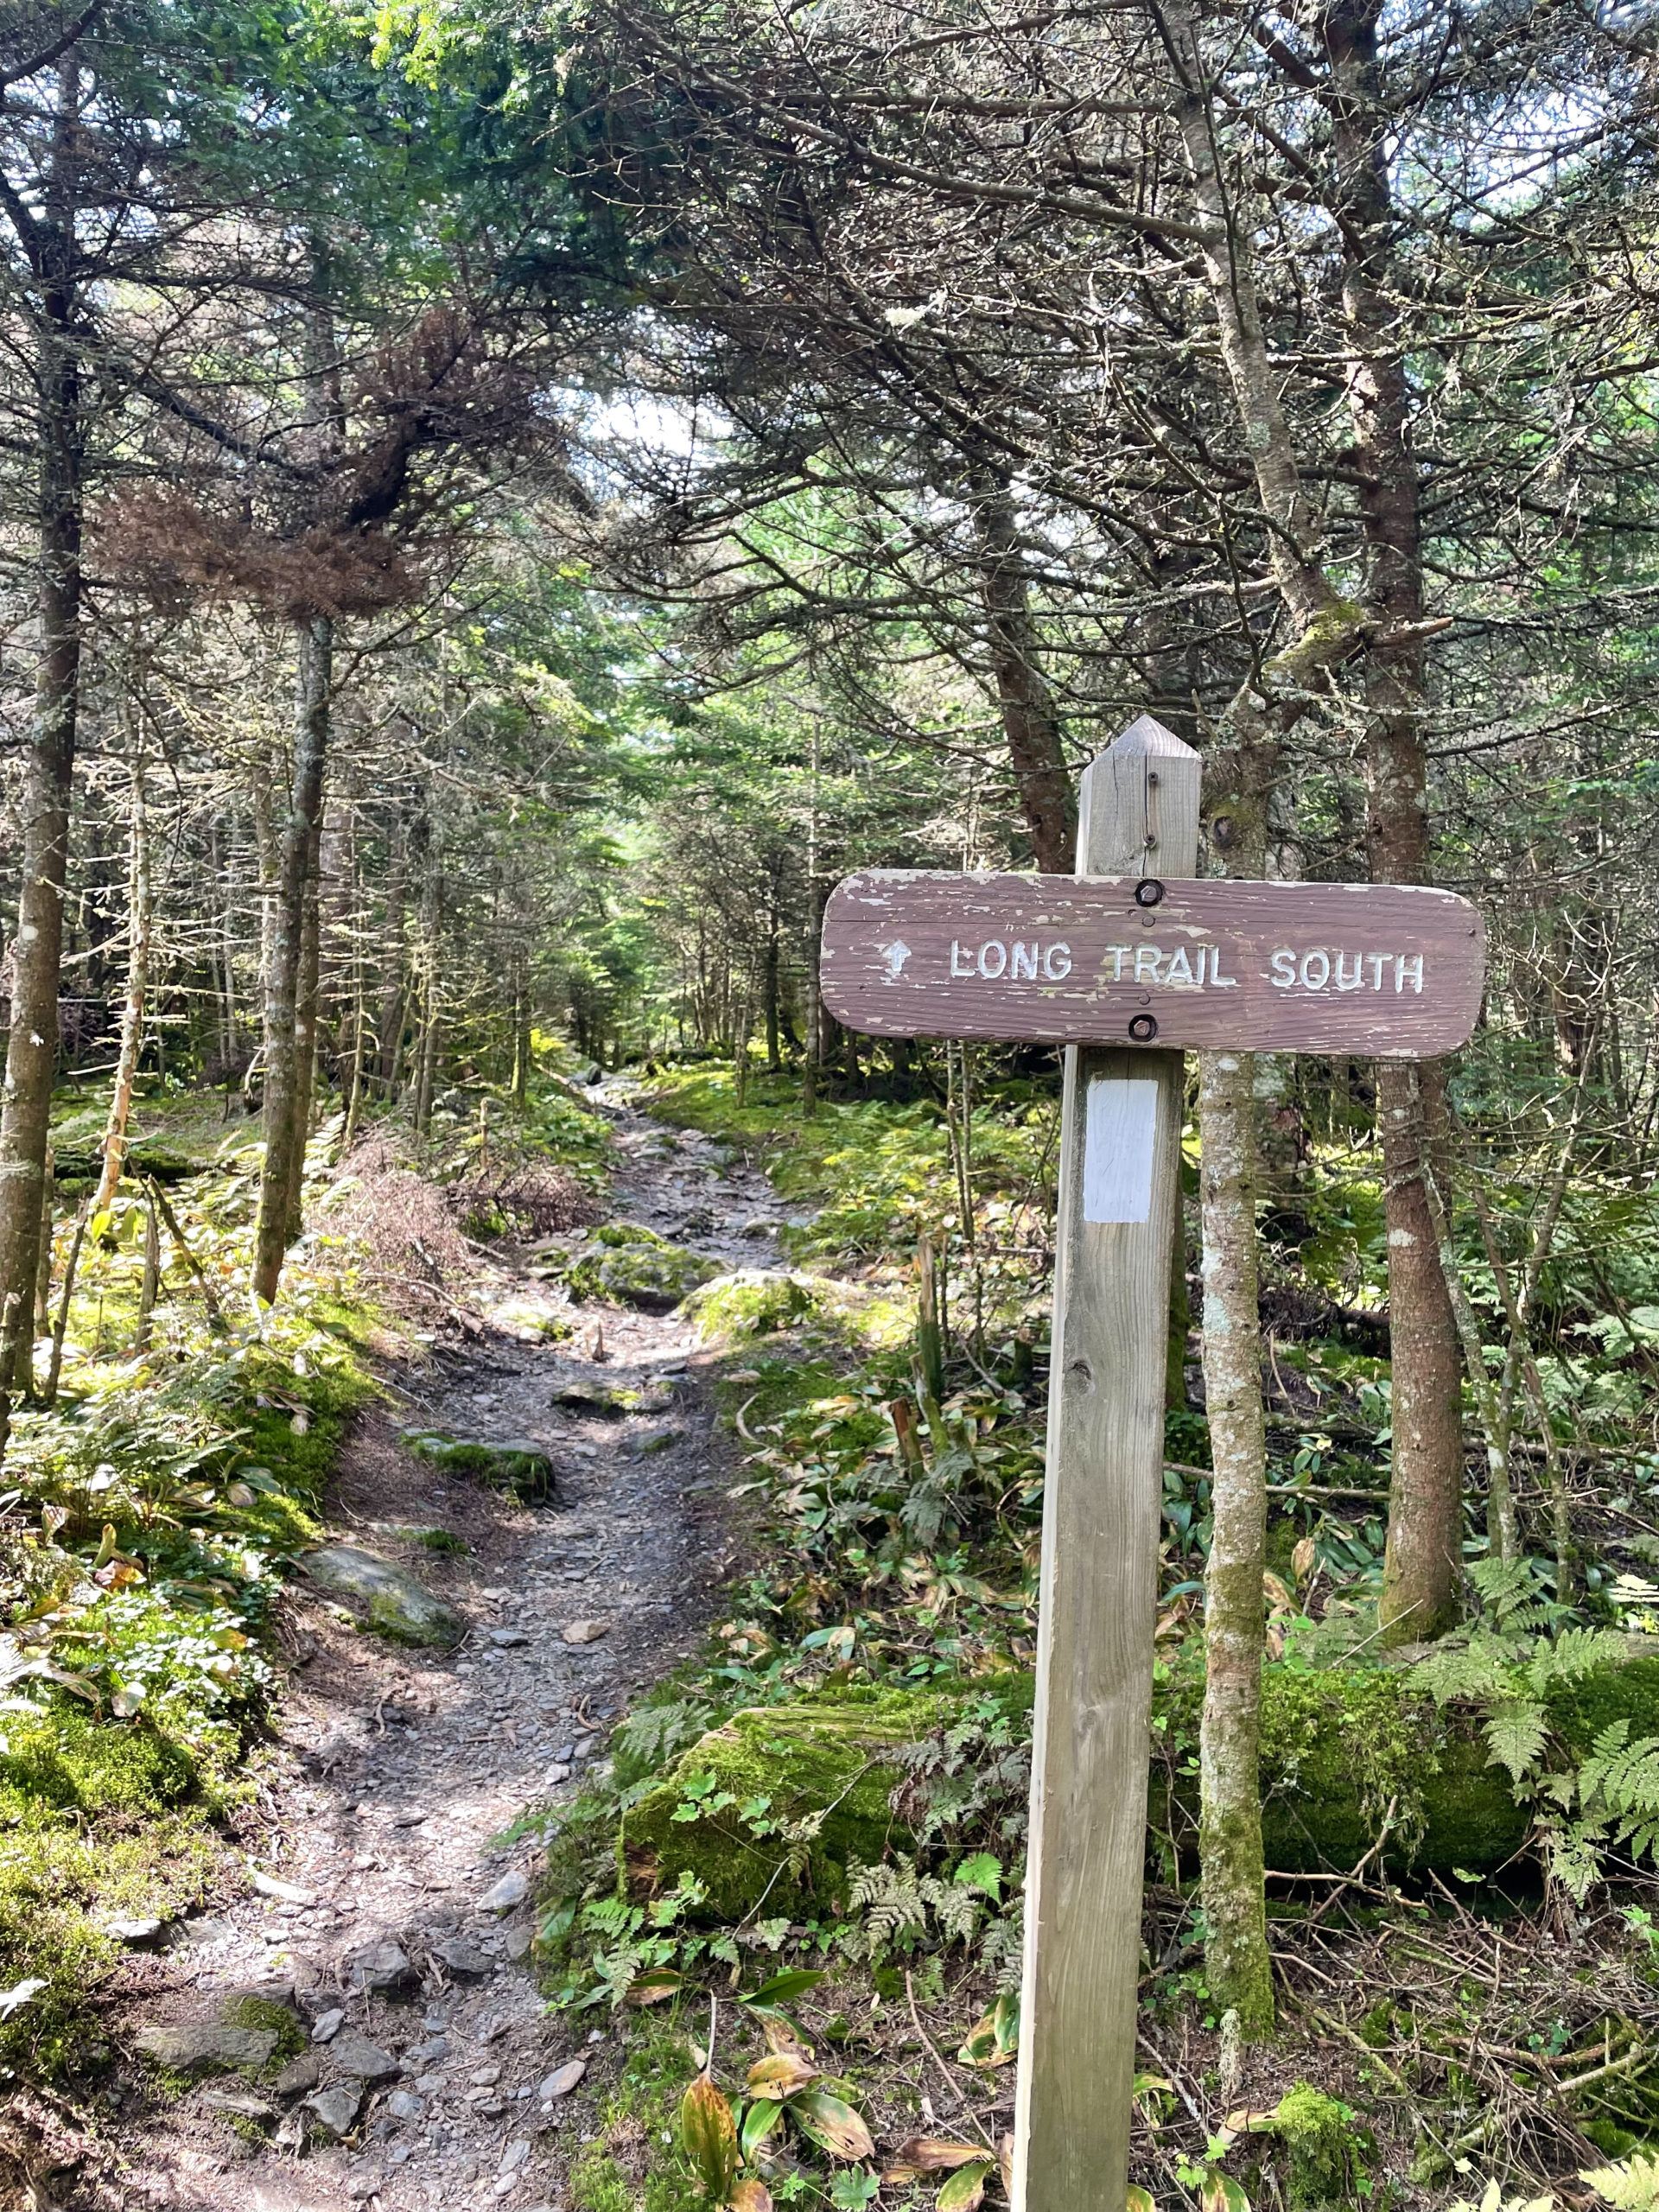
(784, 1988)
(965, 2190)
(983, 1872)
(1220, 2193)
(762, 2116)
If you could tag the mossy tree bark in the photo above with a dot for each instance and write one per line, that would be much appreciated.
(1237, 1962)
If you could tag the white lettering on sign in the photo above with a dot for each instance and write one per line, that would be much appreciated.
(1019, 962)
(1146, 961)
(1119, 1131)
(1320, 970)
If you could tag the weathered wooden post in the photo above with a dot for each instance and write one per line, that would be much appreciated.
(1124, 963)
(1120, 1169)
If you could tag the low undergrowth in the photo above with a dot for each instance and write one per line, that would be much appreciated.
(836, 1790)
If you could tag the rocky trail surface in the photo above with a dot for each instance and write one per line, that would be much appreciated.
(380, 1910)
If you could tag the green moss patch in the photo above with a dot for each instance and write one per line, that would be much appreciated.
(777, 1802)
(628, 1265)
(754, 1302)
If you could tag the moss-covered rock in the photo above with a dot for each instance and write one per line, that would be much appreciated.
(1348, 1750)
(396, 1604)
(631, 1266)
(753, 1302)
(520, 1468)
(750, 1786)
(529, 1323)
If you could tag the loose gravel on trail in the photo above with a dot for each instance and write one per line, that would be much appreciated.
(379, 1901)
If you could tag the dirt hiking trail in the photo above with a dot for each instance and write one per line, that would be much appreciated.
(443, 2080)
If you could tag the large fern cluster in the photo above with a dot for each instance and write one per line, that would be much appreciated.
(1506, 1663)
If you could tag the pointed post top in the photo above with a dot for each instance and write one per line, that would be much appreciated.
(1138, 806)
(1146, 733)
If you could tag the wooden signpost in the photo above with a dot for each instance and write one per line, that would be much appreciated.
(1124, 963)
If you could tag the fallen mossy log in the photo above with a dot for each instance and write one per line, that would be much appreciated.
(771, 1809)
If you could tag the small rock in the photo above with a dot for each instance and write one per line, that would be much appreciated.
(206, 1930)
(285, 1892)
(327, 2024)
(565, 1753)
(303, 2073)
(431, 2053)
(208, 2044)
(402, 2105)
(133, 1931)
(361, 2187)
(555, 1774)
(584, 1749)
(586, 1631)
(506, 1637)
(238, 2101)
(484, 2077)
(519, 1941)
(382, 1965)
(337, 2109)
(515, 2154)
(410, 1820)
(649, 1441)
(512, 1889)
(561, 2084)
(461, 1956)
(355, 2054)
(430, 2084)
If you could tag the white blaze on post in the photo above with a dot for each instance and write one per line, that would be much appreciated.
(1117, 1148)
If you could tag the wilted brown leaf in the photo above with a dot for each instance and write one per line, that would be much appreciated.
(832, 2124)
(710, 2135)
(781, 2075)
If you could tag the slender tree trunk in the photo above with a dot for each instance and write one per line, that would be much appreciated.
(426, 1050)
(307, 1025)
(1236, 1965)
(132, 1014)
(774, 1053)
(1042, 781)
(284, 1141)
(32, 1043)
(1422, 1574)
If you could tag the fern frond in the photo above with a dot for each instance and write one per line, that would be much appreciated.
(1481, 1669)
(1576, 1652)
(1632, 2185)
(1515, 1735)
(1505, 1585)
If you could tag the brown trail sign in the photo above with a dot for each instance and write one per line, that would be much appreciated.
(1120, 962)
(1363, 968)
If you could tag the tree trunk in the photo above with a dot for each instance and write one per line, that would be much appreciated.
(31, 1044)
(307, 1008)
(1042, 782)
(1422, 1574)
(284, 1156)
(1236, 1965)
(426, 1051)
(132, 1014)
